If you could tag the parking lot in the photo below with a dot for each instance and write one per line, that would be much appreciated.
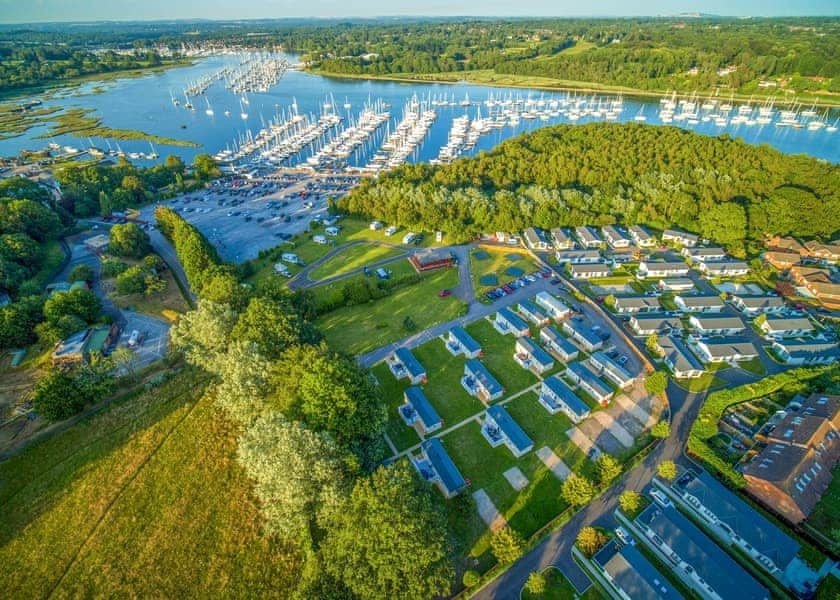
(153, 339)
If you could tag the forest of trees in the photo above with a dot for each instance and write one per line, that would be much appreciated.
(727, 190)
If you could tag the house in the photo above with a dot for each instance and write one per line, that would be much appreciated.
(755, 305)
(536, 239)
(409, 237)
(319, 239)
(587, 238)
(680, 238)
(98, 243)
(654, 323)
(701, 303)
(635, 304)
(794, 469)
(630, 575)
(779, 327)
(662, 268)
(683, 364)
(614, 238)
(708, 325)
(479, 382)
(704, 254)
(83, 345)
(589, 271)
(376, 225)
(434, 465)
(578, 257)
(529, 355)
(552, 306)
(558, 344)
(431, 259)
(332, 230)
(828, 252)
(803, 275)
(781, 260)
(733, 349)
(708, 569)
(391, 230)
(819, 283)
(807, 352)
(533, 313)
(611, 370)
(641, 237)
(588, 381)
(460, 342)
(507, 321)
(500, 428)
(418, 412)
(787, 244)
(402, 363)
(556, 396)
(561, 240)
(729, 268)
(677, 284)
(588, 339)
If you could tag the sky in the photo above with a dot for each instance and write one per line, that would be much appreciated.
(27, 11)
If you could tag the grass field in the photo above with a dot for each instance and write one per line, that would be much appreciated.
(496, 264)
(498, 357)
(354, 257)
(142, 500)
(704, 382)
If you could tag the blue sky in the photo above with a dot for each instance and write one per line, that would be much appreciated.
(21, 11)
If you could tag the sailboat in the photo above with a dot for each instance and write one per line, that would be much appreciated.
(832, 128)
(153, 154)
(245, 99)
(173, 98)
(209, 111)
(242, 114)
(347, 104)
(640, 117)
(227, 113)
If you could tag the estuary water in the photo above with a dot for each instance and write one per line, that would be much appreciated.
(146, 104)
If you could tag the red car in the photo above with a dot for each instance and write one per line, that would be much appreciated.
(444, 293)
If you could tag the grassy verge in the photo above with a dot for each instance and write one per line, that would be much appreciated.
(557, 587)
(700, 384)
(354, 257)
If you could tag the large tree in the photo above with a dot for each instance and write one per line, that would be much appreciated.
(81, 303)
(128, 240)
(203, 334)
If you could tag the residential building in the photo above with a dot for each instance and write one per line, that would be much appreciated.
(561, 240)
(807, 352)
(781, 260)
(711, 325)
(803, 275)
(704, 254)
(507, 321)
(558, 345)
(98, 243)
(654, 323)
(794, 469)
(662, 268)
(589, 271)
(376, 225)
(827, 293)
(615, 239)
(755, 305)
(479, 382)
(787, 244)
(779, 327)
(460, 342)
(683, 364)
(500, 428)
(556, 396)
(700, 303)
(587, 238)
(819, 283)
(636, 304)
(536, 239)
(435, 466)
(641, 237)
(533, 313)
(630, 575)
(829, 252)
(529, 355)
(552, 306)
(578, 257)
(402, 363)
(418, 412)
(431, 259)
(588, 381)
(728, 268)
(611, 370)
(83, 345)
(677, 284)
(733, 349)
(583, 335)
(679, 237)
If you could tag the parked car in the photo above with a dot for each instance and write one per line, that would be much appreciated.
(444, 293)
(661, 498)
(134, 339)
(624, 535)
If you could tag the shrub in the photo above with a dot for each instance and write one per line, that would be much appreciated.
(590, 540)
(471, 578)
(506, 545)
(667, 470)
(112, 267)
(81, 273)
(536, 584)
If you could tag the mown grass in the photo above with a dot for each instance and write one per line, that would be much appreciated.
(496, 265)
(557, 587)
(699, 384)
(354, 257)
(498, 357)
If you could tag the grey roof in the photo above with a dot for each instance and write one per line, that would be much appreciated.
(422, 406)
(559, 339)
(560, 389)
(637, 302)
(665, 265)
(476, 369)
(788, 324)
(590, 377)
(513, 319)
(534, 235)
(678, 355)
(570, 255)
(591, 268)
(465, 339)
(761, 301)
(609, 364)
(560, 236)
(586, 234)
(677, 233)
(701, 301)
(448, 473)
(633, 574)
(536, 352)
(714, 565)
(613, 233)
(641, 232)
(510, 428)
(806, 346)
(706, 251)
(707, 322)
(656, 321)
(411, 364)
(723, 267)
(718, 347)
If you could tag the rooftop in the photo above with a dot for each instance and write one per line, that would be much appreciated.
(633, 574)
(536, 351)
(560, 388)
(411, 364)
(589, 376)
(509, 427)
(513, 319)
(421, 404)
(476, 369)
(448, 473)
(465, 339)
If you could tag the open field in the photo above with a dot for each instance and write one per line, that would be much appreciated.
(354, 257)
(826, 514)
(498, 357)
(496, 264)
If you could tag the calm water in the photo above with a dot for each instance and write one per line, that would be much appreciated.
(145, 104)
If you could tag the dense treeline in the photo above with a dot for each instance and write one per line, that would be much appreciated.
(197, 255)
(601, 173)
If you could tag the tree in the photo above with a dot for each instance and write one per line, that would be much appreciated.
(630, 501)
(506, 545)
(652, 345)
(81, 272)
(269, 325)
(577, 490)
(203, 334)
(470, 578)
(125, 362)
(389, 539)
(609, 301)
(204, 167)
(244, 385)
(590, 540)
(607, 469)
(128, 240)
(131, 281)
(81, 303)
(656, 383)
(667, 470)
(536, 584)
(661, 430)
(154, 284)
(57, 397)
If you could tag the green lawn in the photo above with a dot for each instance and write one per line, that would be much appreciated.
(753, 366)
(498, 357)
(829, 589)
(496, 264)
(702, 383)
(826, 514)
(358, 329)
(354, 257)
(558, 588)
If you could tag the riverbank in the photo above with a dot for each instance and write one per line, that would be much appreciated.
(492, 79)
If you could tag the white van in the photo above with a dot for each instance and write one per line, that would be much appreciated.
(319, 239)
(409, 237)
(333, 230)
(392, 229)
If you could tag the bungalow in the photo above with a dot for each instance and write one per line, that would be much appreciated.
(479, 382)
(683, 364)
(434, 465)
(611, 370)
(536, 239)
(654, 323)
(589, 271)
(829, 252)
(587, 237)
(557, 396)
(588, 381)
(376, 225)
(332, 230)
(700, 303)
(788, 244)
(725, 350)
(679, 237)
(635, 304)
(716, 325)
(561, 239)
(529, 355)
(755, 305)
(500, 428)
(664, 268)
(558, 344)
(460, 342)
(578, 257)
(729, 268)
(402, 363)
(507, 321)
(614, 237)
(641, 237)
(781, 260)
(418, 412)
(807, 352)
(710, 254)
(802, 275)
(533, 313)
(552, 306)
(431, 259)
(83, 345)
(678, 284)
(827, 293)
(319, 239)
(587, 338)
(781, 327)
